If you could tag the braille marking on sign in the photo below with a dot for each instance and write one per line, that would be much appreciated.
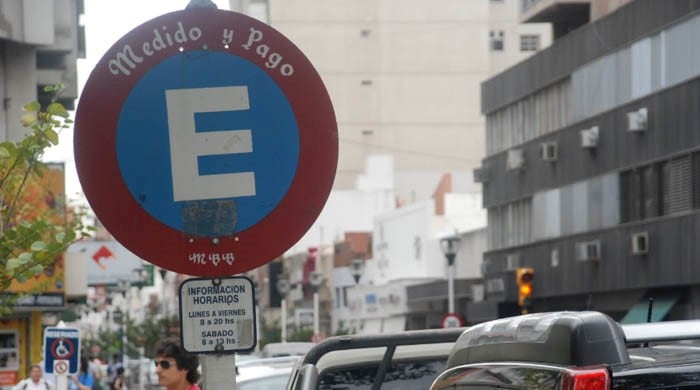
(186, 145)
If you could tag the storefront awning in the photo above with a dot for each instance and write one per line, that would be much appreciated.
(662, 305)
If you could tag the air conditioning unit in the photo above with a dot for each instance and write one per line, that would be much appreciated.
(515, 159)
(637, 120)
(589, 137)
(640, 243)
(588, 250)
(481, 175)
(548, 151)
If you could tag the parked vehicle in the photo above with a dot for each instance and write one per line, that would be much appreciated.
(264, 373)
(288, 348)
(573, 350)
(400, 361)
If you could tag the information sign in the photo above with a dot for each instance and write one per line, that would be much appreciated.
(61, 346)
(217, 315)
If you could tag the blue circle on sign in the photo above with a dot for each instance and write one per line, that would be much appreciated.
(144, 150)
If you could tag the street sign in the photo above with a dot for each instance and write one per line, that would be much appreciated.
(61, 347)
(206, 142)
(452, 320)
(217, 315)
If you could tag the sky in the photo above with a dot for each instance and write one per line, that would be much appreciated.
(105, 22)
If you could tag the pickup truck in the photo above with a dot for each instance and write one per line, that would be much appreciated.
(399, 361)
(574, 351)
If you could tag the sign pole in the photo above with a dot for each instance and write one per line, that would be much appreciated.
(61, 382)
(216, 371)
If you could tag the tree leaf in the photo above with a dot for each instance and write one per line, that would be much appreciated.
(12, 264)
(52, 136)
(32, 107)
(24, 258)
(57, 109)
(4, 153)
(38, 246)
(60, 236)
(27, 119)
(35, 270)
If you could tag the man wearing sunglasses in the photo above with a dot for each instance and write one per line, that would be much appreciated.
(176, 369)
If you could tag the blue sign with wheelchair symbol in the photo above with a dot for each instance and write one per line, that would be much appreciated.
(62, 344)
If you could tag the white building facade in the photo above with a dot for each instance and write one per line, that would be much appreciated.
(405, 81)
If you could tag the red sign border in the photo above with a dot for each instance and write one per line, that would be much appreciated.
(96, 160)
(453, 315)
(71, 348)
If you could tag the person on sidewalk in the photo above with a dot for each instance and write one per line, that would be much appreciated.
(35, 381)
(119, 382)
(176, 369)
(84, 380)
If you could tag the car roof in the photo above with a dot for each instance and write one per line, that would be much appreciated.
(256, 372)
(286, 348)
(280, 361)
(359, 356)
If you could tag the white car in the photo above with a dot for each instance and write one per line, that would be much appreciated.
(265, 373)
(264, 378)
(289, 348)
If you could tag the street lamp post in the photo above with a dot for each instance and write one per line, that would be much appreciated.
(357, 267)
(124, 285)
(163, 273)
(138, 275)
(316, 279)
(283, 288)
(449, 246)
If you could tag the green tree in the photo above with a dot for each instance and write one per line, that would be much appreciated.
(32, 238)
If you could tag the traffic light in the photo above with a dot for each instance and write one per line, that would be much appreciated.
(523, 278)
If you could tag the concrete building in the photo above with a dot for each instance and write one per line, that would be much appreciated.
(592, 170)
(404, 78)
(40, 43)
(404, 284)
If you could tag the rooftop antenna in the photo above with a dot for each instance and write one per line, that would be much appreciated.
(650, 308)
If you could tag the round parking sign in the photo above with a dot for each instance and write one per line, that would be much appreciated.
(452, 320)
(206, 142)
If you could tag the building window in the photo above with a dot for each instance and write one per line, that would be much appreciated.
(663, 188)
(496, 40)
(640, 193)
(677, 188)
(529, 42)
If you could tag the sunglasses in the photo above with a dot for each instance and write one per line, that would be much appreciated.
(163, 363)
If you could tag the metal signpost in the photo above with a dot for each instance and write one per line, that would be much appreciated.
(61, 353)
(206, 143)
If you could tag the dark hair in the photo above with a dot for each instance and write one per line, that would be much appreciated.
(84, 364)
(185, 361)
